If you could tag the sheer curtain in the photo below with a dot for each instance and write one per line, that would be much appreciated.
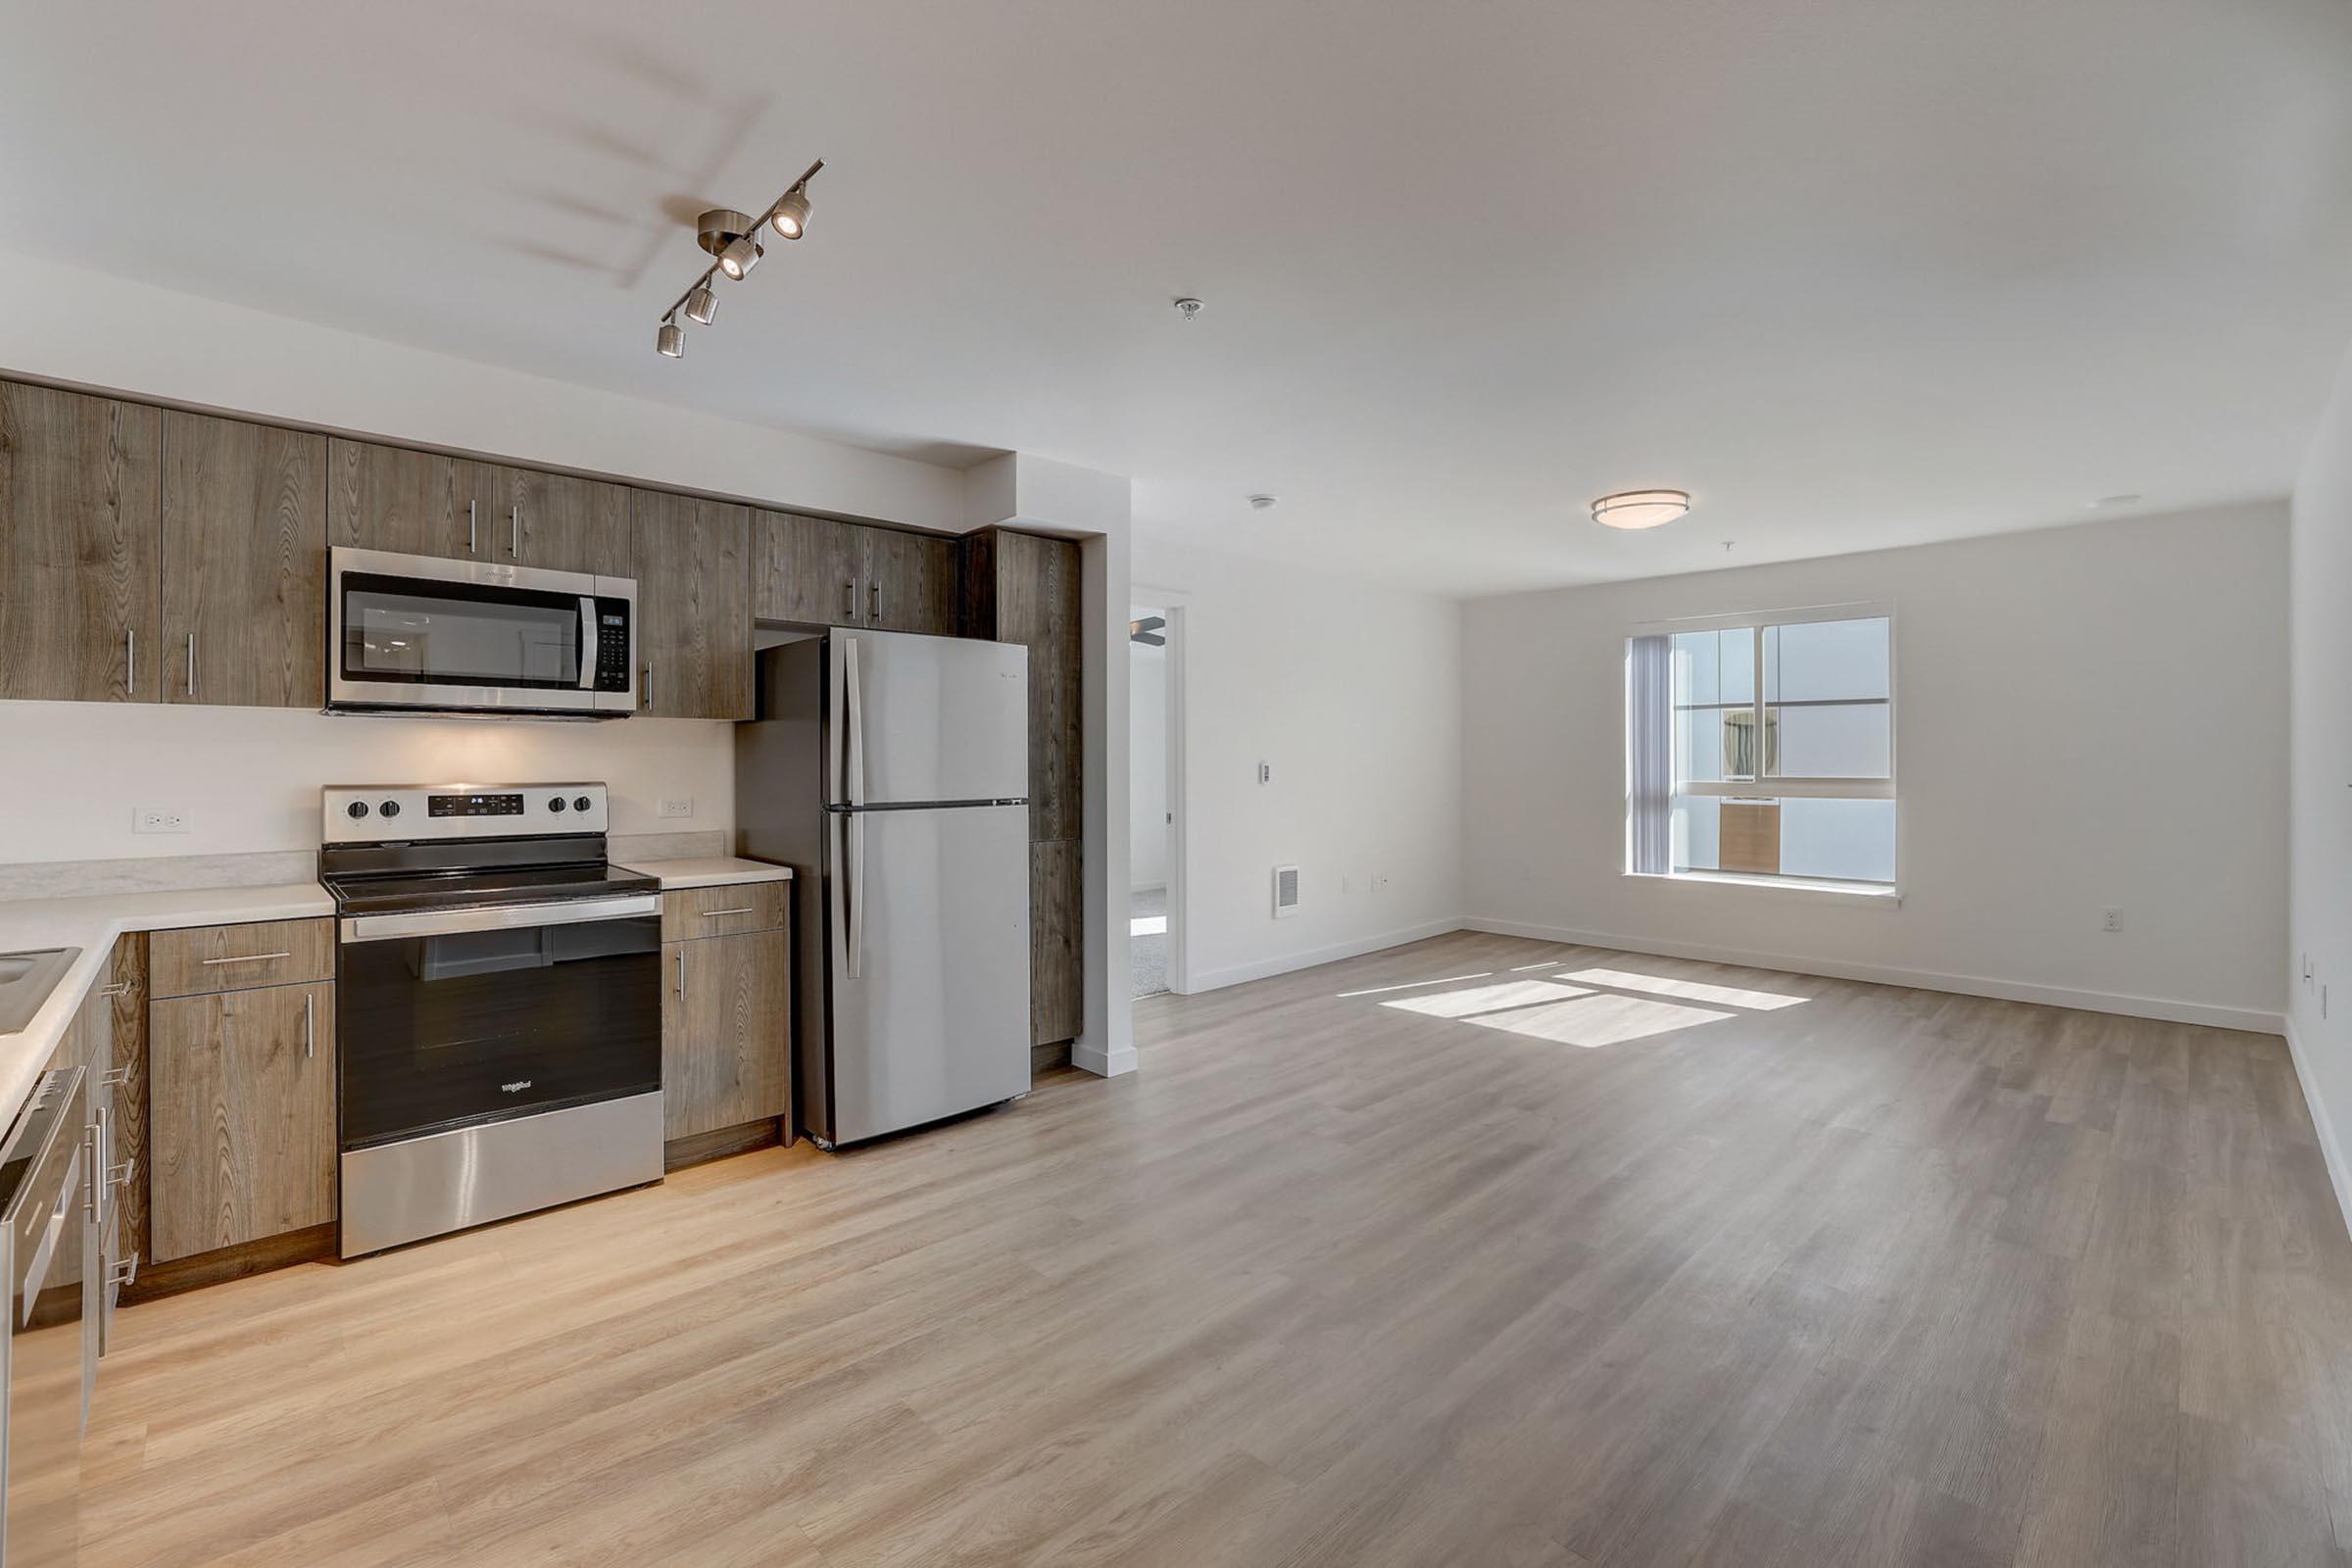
(1650, 748)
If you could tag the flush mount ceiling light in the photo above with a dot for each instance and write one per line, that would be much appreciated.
(1640, 509)
(731, 238)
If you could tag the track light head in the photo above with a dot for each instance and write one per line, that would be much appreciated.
(740, 257)
(672, 340)
(701, 304)
(791, 217)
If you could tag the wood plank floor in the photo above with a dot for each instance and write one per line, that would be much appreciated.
(1480, 1251)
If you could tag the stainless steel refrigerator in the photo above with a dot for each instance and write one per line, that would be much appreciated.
(891, 771)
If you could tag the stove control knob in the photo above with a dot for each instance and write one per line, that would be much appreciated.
(556, 805)
(580, 805)
(356, 810)
(390, 808)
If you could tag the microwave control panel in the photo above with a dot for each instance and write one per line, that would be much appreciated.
(612, 645)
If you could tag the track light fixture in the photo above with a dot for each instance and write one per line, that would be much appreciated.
(732, 237)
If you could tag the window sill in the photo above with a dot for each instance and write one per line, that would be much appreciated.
(1861, 892)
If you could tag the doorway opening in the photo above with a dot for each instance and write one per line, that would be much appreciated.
(1153, 932)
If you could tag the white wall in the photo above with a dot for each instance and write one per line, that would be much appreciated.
(1352, 691)
(2320, 820)
(1146, 762)
(74, 773)
(2085, 716)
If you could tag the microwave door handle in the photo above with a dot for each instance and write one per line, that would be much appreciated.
(591, 639)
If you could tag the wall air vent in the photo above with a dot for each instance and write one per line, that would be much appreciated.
(1286, 891)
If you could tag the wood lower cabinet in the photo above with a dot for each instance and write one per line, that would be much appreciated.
(1056, 941)
(726, 1034)
(694, 606)
(236, 958)
(244, 564)
(529, 518)
(241, 1120)
(80, 558)
(128, 995)
(390, 498)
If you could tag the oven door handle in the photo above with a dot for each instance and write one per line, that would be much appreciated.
(497, 918)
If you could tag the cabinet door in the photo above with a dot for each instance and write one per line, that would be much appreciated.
(241, 1120)
(726, 1031)
(244, 564)
(524, 516)
(80, 574)
(1037, 604)
(128, 988)
(694, 606)
(909, 582)
(810, 570)
(1056, 938)
(389, 498)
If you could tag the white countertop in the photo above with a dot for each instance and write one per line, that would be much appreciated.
(92, 923)
(710, 871)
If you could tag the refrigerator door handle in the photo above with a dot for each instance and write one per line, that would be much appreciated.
(854, 786)
(838, 824)
(836, 774)
(856, 893)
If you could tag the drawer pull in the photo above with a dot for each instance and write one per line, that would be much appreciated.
(713, 914)
(249, 957)
(122, 989)
(124, 1272)
(115, 1077)
(120, 1175)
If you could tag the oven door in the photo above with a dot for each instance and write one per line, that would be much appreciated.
(458, 1017)
(417, 631)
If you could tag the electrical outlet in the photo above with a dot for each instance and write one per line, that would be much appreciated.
(677, 808)
(160, 819)
(2113, 919)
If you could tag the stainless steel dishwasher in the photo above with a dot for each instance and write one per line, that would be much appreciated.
(43, 1170)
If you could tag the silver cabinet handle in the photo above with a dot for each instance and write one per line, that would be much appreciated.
(649, 685)
(249, 957)
(119, 990)
(713, 914)
(191, 663)
(120, 1175)
(875, 593)
(514, 533)
(472, 517)
(310, 1023)
(124, 1272)
(130, 660)
(849, 602)
(681, 971)
(115, 1077)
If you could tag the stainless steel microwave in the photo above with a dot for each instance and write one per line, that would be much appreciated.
(406, 632)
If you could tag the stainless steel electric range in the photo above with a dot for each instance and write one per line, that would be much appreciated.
(498, 1005)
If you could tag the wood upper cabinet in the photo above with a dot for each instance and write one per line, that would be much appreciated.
(694, 606)
(909, 582)
(726, 1031)
(810, 569)
(390, 498)
(244, 564)
(527, 518)
(241, 1116)
(81, 545)
(1023, 588)
(816, 571)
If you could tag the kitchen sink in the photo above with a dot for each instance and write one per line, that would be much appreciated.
(25, 980)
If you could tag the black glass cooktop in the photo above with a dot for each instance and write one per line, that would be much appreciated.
(403, 894)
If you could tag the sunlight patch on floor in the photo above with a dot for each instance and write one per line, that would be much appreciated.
(1413, 985)
(1594, 1019)
(1692, 990)
(1500, 996)
(1147, 925)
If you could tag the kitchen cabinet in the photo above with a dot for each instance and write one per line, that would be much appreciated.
(816, 571)
(241, 1122)
(529, 518)
(127, 996)
(694, 606)
(244, 564)
(81, 545)
(236, 958)
(726, 1031)
(1023, 588)
(1057, 940)
(392, 497)
(725, 910)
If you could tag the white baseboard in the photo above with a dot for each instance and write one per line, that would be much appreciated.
(1236, 974)
(1103, 1063)
(2339, 1175)
(2169, 1011)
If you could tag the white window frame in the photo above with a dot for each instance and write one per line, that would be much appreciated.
(1773, 787)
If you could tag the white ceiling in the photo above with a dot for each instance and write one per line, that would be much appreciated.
(1856, 272)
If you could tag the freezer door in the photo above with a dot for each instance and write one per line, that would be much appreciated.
(929, 958)
(913, 720)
